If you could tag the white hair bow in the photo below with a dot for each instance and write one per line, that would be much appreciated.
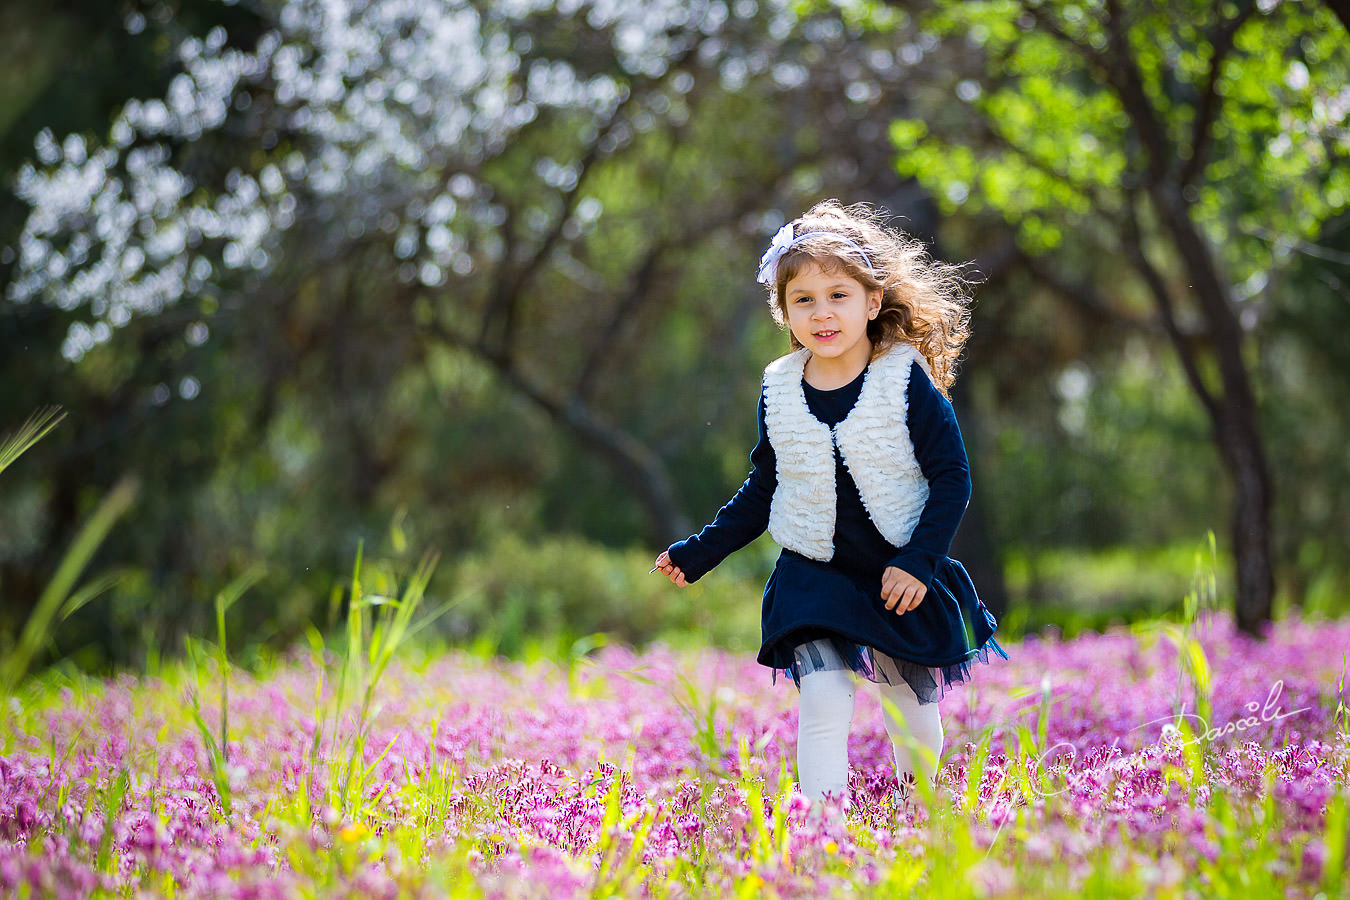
(783, 241)
(768, 263)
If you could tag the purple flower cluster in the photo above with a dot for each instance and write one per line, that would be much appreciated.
(663, 773)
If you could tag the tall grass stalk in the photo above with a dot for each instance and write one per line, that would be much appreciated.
(29, 433)
(111, 800)
(1341, 720)
(218, 752)
(224, 600)
(1192, 662)
(375, 628)
(61, 598)
(1335, 835)
(215, 752)
(620, 867)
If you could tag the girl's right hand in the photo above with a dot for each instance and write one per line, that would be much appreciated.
(670, 570)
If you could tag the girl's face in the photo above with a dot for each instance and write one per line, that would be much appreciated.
(827, 312)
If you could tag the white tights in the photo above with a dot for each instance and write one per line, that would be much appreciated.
(824, 718)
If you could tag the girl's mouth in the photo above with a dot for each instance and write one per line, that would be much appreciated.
(825, 335)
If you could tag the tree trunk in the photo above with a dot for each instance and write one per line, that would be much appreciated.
(1234, 418)
(1240, 445)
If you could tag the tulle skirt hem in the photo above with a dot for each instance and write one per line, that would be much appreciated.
(929, 683)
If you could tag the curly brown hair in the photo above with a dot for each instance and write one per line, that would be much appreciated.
(924, 302)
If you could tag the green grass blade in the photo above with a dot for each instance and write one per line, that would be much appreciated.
(29, 433)
(226, 598)
(101, 584)
(230, 594)
(215, 755)
(112, 800)
(54, 598)
(1334, 841)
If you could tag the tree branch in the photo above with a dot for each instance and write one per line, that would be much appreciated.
(501, 312)
(503, 307)
(1134, 97)
(1157, 286)
(640, 292)
(642, 471)
(502, 284)
(1087, 299)
(1091, 55)
(1208, 108)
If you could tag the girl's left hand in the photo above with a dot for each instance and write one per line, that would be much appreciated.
(901, 590)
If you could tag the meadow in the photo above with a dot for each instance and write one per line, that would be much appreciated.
(1161, 759)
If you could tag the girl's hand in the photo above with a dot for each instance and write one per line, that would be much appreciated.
(901, 590)
(670, 570)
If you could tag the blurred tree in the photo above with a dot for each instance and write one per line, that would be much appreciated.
(476, 165)
(70, 68)
(1309, 359)
(1342, 10)
(379, 257)
(1172, 137)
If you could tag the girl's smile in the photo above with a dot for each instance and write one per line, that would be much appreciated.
(828, 312)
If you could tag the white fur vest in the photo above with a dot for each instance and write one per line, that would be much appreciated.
(873, 440)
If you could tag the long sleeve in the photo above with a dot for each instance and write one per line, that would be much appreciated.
(740, 521)
(942, 457)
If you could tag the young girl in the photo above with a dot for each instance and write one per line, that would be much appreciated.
(861, 476)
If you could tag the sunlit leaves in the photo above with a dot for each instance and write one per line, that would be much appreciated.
(1053, 140)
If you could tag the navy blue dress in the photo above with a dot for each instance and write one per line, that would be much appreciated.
(930, 647)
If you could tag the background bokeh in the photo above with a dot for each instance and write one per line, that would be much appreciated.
(478, 278)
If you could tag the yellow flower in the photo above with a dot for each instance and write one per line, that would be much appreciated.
(832, 848)
(354, 832)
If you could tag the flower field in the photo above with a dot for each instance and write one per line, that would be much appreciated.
(668, 774)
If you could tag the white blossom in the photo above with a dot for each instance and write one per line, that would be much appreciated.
(387, 109)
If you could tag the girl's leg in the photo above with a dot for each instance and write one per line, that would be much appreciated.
(905, 718)
(823, 722)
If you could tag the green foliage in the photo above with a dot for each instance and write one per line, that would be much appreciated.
(516, 593)
(60, 598)
(1082, 468)
(1306, 360)
(1092, 130)
(1077, 590)
(1039, 134)
(217, 751)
